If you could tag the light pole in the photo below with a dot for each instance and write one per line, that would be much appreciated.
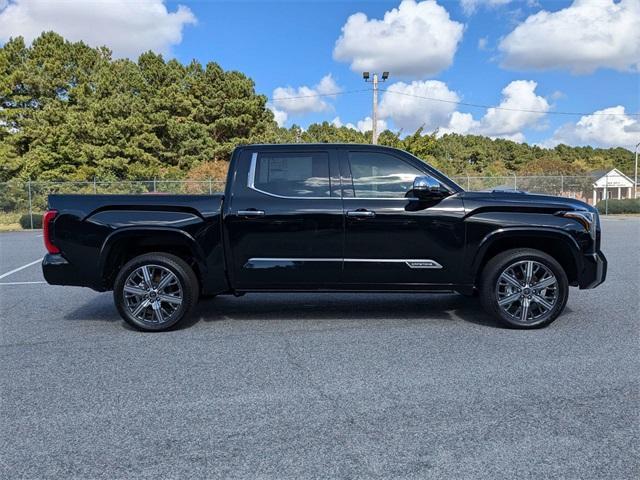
(374, 115)
(635, 176)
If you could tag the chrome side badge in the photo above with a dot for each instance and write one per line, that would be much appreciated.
(423, 264)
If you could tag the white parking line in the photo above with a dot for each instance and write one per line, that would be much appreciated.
(20, 268)
(19, 283)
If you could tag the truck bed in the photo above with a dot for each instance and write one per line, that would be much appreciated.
(90, 230)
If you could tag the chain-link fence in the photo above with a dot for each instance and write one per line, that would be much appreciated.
(588, 188)
(579, 187)
(22, 203)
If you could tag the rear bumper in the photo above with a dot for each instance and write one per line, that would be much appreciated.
(58, 271)
(594, 270)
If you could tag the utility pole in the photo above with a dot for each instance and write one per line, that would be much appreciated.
(635, 177)
(374, 115)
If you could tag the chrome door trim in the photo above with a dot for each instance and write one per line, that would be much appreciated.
(251, 179)
(252, 170)
(410, 262)
(285, 259)
(411, 199)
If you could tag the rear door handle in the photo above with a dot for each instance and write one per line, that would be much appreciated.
(251, 213)
(361, 213)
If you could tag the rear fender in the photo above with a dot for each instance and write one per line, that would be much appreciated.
(152, 237)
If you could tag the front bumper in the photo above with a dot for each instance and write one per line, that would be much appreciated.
(594, 270)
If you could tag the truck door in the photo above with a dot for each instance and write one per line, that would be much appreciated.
(284, 219)
(392, 241)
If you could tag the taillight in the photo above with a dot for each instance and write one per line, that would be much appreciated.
(46, 224)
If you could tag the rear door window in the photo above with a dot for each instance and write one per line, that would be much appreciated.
(293, 174)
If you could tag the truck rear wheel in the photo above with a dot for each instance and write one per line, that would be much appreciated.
(155, 291)
(524, 288)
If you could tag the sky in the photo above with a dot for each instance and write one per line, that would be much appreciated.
(544, 72)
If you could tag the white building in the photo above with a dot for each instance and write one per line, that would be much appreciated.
(611, 184)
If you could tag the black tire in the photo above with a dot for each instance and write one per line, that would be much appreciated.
(490, 289)
(185, 285)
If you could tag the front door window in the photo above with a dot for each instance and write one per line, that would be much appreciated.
(379, 175)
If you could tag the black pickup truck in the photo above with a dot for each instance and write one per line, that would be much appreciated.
(325, 217)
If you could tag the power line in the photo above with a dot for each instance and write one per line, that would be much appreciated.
(477, 105)
(334, 94)
(466, 104)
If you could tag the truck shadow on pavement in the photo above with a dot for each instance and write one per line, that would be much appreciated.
(344, 307)
(305, 307)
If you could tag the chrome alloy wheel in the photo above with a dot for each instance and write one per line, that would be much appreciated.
(153, 294)
(527, 291)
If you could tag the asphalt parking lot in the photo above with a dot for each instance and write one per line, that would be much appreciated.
(319, 386)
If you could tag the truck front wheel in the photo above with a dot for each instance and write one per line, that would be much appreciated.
(155, 291)
(524, 288)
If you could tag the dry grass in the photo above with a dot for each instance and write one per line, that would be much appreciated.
(9, 222)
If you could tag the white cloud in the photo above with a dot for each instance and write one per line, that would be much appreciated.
(413, 39)
(327, 86)
(366, 124)
(470, 6)
(304, 99)
(409, 112)
(482, 43)
(409, 109)
(279, 116)
(587, 35)
(610, 127)
(128, 28)
(460, 123)
(509, 119)
(363, 125)
(336, 122)
(518, 95)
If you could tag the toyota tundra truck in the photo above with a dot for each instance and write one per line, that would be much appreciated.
(325, 218)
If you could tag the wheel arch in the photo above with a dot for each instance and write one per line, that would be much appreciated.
(560, 245)
(129, 242)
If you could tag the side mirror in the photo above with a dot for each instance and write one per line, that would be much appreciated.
(427, 187)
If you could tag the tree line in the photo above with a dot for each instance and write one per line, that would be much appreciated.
(72, 112)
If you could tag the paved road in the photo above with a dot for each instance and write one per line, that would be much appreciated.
(319, 386)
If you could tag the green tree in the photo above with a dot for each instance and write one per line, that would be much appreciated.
(70, 112)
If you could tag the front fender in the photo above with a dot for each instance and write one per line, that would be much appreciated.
(526, 234)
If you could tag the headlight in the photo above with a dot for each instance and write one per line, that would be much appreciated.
(586, 219)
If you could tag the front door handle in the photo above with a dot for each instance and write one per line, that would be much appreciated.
(361, 213)
(251, 213)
